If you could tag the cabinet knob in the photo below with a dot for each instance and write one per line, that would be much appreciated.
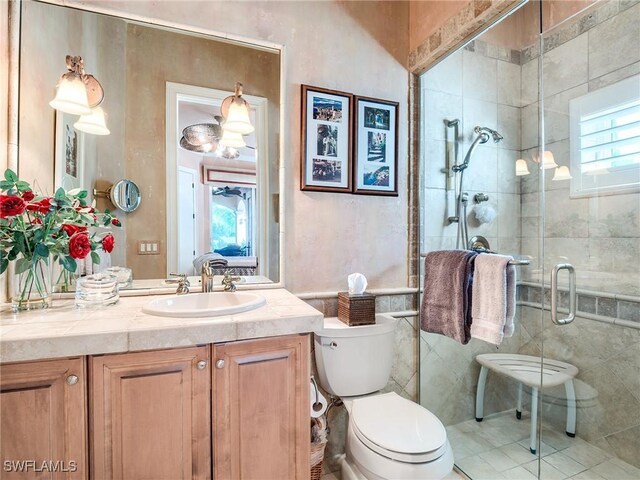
(72, 379)
(220, 364)
(202, 364)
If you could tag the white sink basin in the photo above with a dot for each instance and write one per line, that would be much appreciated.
(211, 304)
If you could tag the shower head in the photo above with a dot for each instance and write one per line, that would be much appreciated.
(484, 130)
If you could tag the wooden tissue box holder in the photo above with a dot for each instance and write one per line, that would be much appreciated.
(357, 309)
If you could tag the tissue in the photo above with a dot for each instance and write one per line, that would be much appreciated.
(357, 283)
(484, 213)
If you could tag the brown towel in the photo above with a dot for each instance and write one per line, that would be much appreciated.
(446, 302)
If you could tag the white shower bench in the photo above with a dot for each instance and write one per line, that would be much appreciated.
(525, 369)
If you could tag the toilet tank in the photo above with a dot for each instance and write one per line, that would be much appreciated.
(355, 360)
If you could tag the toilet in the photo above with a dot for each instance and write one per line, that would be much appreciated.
(388, 437)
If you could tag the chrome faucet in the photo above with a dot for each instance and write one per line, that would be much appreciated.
(183, 283)
(206, 274)
(228, 280)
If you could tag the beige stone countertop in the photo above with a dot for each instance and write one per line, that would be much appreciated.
(64, 330)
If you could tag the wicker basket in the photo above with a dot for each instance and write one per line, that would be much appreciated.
(317, 455)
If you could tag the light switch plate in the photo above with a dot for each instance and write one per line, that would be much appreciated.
(148, 247)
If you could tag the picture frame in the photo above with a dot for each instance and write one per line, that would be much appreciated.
(69, 152)
(376, 147)
(326, 148)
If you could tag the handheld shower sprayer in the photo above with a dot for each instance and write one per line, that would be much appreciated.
(496, 136)
(484, 134)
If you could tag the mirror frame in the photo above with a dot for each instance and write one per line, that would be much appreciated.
(14, 8)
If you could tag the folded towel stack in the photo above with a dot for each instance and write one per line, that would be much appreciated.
(469, 295)
(446, 303)
(214, 260)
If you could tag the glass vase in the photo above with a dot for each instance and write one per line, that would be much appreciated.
(32, 288)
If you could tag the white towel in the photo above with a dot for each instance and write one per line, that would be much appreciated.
(493, 298)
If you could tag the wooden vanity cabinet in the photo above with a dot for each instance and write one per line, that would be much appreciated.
(261, 409)
(150, 415)
(43, 419)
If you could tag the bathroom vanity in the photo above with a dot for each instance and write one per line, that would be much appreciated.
(117, 393)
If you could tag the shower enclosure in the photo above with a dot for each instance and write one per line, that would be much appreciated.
(546, 106)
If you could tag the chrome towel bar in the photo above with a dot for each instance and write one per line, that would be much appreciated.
(515, 262)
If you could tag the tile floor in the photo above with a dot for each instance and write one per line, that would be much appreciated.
(498, 448)
(337, 476)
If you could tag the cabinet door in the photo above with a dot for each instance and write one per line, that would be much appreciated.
(43, 419)
(261, 409)
(150, 415)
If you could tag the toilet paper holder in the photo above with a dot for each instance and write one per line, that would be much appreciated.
(317, 406)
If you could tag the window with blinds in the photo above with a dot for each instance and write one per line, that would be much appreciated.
(605, 140)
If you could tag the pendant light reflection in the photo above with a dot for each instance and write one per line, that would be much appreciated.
(548, 161)
(561, 173)
(235, 111)
(521, 168)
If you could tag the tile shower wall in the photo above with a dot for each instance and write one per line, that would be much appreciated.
(480, 85)
(600, 236)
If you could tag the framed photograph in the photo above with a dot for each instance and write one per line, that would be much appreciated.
(326, 140)
(376, 154)
(69, 153)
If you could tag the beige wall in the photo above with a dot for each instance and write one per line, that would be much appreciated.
(425, 17)
(359, 48)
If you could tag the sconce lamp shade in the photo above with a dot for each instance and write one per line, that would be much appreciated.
(548, 161)
(238, 118)
(521, 168)
(562, 173)
(232, 139)
(71, 96)
(93, 123)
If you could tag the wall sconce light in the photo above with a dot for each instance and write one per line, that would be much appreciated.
(232, 139)
(93, 123)
(235, 111)
(77, 92)
(561, 173)
(521, 168)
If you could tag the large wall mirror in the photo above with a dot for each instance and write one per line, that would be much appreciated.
(196, 204)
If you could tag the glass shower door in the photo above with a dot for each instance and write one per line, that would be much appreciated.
(588, 174)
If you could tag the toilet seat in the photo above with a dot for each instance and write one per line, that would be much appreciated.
(398, 429)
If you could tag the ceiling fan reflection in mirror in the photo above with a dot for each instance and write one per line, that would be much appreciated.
(210, 138)
(228, 192)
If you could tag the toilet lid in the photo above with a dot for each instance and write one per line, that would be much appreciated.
(398, 428)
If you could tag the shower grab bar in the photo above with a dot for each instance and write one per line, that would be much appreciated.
(554, 294)
(514, 262)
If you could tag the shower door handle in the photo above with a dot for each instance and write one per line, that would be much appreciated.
(554, 294)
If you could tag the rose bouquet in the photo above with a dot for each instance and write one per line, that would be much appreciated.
(36, 230)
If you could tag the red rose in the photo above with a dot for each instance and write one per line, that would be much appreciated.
(79, 246)
(10, 206)
(71, 230)
(116, 222)
(36, 221)
(28, 196)
(107, 243)
(42, 206)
